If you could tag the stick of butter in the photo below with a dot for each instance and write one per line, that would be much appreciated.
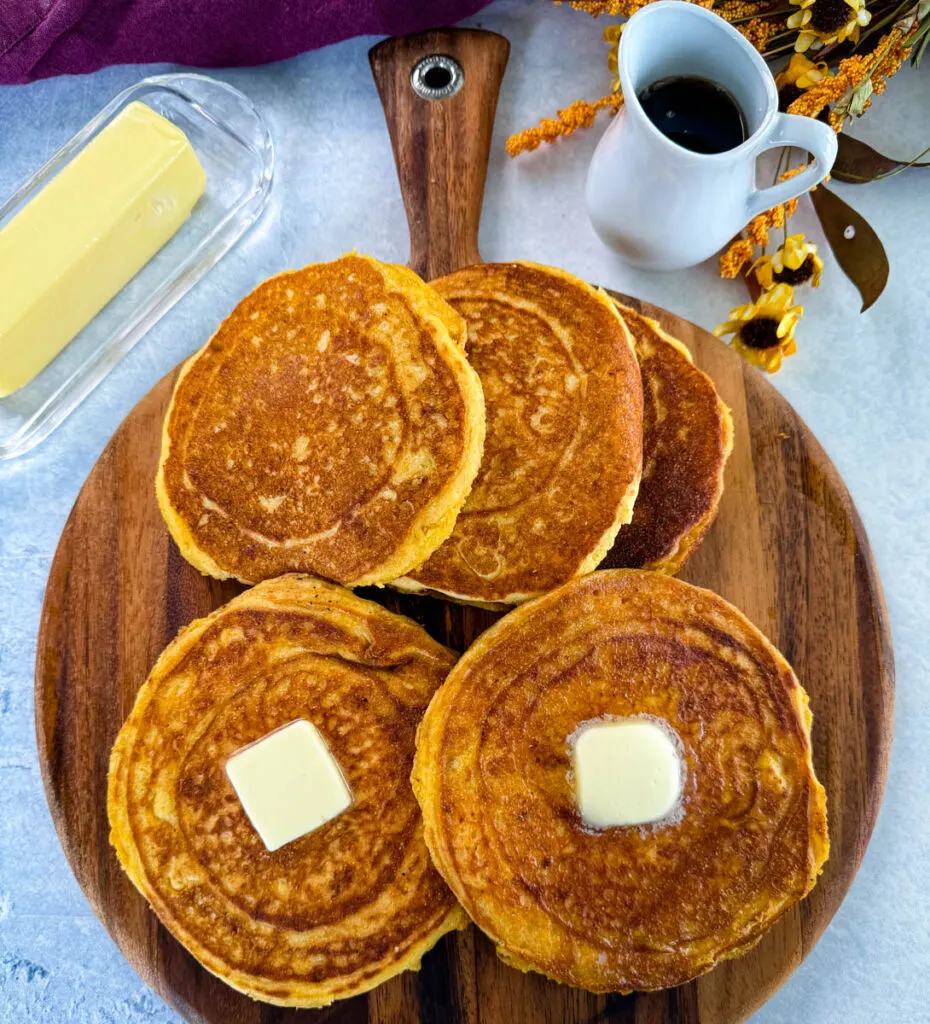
(88, 232)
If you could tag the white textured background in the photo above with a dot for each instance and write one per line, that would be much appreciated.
(861, 382)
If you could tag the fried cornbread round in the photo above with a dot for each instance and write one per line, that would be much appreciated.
(332, 425)
(563, 452)
(687, 439)
(341, 909)
(631, 907)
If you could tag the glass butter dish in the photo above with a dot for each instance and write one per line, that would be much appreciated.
(233, 145)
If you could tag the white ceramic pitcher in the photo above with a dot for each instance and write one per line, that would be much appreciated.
(664, 207)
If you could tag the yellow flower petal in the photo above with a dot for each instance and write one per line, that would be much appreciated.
(804, 42)
(727, 328)
(801, 72)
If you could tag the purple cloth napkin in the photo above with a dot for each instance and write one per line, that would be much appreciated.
(41, 38)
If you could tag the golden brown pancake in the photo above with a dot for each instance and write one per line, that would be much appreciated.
(339, 910)
(687, 438)
(563, 453)
(623, 908)
(332, 425)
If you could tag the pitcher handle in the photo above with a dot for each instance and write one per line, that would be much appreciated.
(806, 133)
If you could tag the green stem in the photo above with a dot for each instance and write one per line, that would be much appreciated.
(786, 154)
(882, 55)
(779, 49)
(903, 167)
(874, 26)
(781, 159)
(919, 42)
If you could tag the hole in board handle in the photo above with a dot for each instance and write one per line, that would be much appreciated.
(437, 77)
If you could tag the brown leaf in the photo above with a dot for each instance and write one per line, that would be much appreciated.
(857, 162)
(857, 248)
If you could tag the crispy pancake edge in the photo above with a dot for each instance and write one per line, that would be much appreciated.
(121, 838)
(436, 520)
(426, 783)
(688, 542)
(408, 585)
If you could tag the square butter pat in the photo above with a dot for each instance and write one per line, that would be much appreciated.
(627, 772)
(289, 783)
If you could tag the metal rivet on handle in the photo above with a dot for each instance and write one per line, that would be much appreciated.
(437, 77)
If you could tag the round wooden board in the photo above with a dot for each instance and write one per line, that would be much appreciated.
(787, 548)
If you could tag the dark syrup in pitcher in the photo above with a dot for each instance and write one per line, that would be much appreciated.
(694, 113)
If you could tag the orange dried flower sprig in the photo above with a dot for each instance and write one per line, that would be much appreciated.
(579, 115)
(739, 252)
(760, 31)
(614, 8)
(875, 67)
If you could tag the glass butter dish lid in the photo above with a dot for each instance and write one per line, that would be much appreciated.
(232, 143)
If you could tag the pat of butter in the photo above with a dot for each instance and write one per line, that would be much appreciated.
(628, 771)
(288, 783)
(91, 229)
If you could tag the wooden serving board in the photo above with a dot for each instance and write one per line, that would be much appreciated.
(787, 548)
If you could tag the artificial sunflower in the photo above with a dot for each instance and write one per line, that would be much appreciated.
(796, 78)
(796, 262)
(763, 331)
(827, 21)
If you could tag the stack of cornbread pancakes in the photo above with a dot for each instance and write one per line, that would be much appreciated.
(614, 782)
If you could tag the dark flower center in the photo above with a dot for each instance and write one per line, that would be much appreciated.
(804, 273)
(787, 94)
(830, 15)
(760, 333)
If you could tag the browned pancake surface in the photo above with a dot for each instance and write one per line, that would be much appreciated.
(629, 907)
(687, 436)
(333, 912)
(330, 422)
(563, 449)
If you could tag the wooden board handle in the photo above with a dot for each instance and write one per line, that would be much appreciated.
(441, 145)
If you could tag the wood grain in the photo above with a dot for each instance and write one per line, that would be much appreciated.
(441, 147)
(787, 548)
